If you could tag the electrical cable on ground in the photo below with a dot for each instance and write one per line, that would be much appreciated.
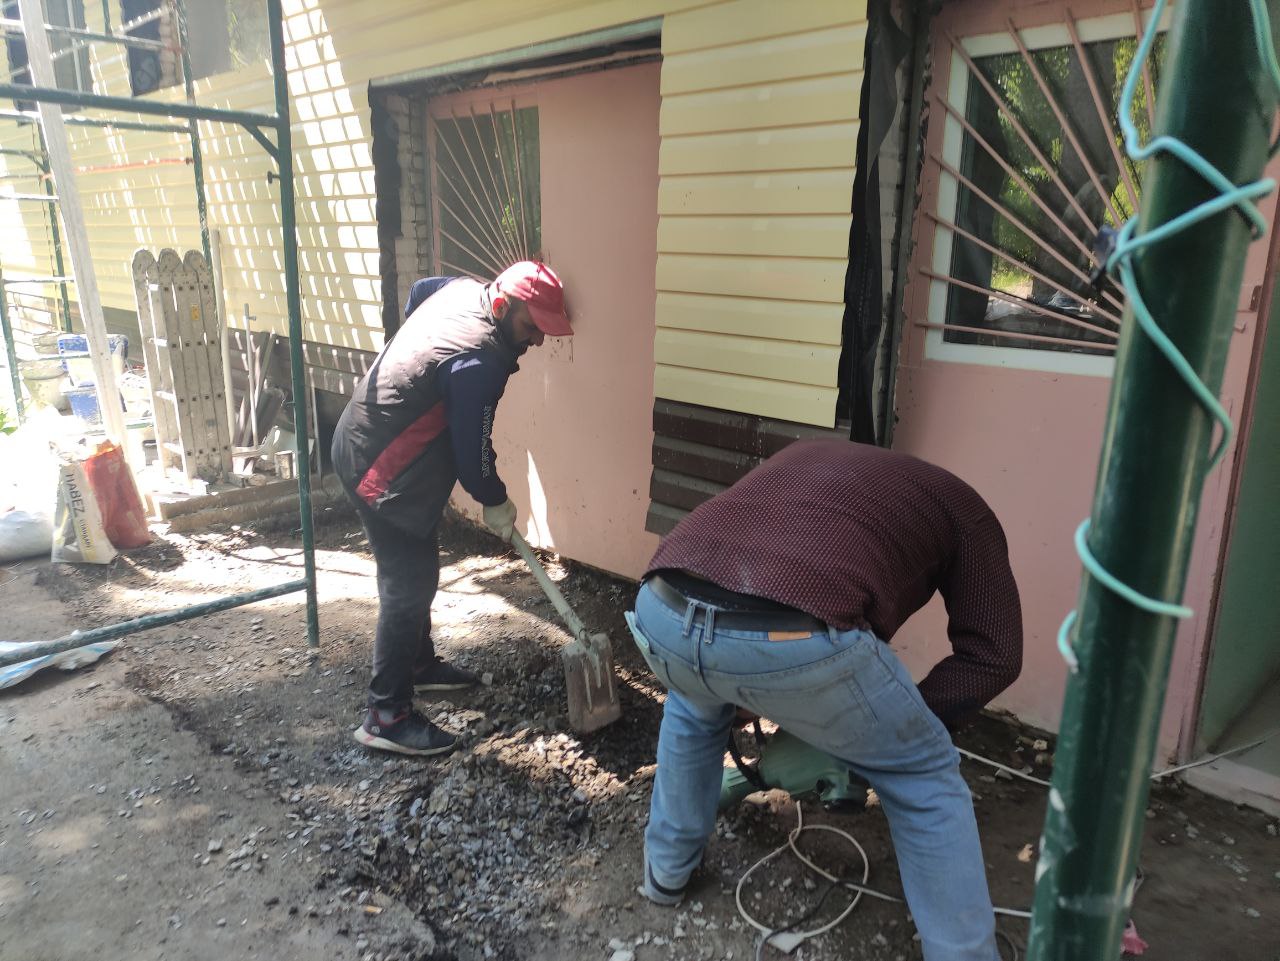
(1155, 776)
(774, 936)
(770, 935)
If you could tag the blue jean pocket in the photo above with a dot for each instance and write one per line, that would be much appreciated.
(637, 635)
(823, 704)
(656, 663)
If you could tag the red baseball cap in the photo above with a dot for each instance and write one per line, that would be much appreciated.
(539, 287)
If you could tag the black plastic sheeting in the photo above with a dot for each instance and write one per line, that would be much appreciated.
(887, 47)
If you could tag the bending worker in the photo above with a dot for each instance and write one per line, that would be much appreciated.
(779, 596)
(418, 422)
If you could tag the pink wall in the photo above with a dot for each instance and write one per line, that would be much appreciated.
(574, 431)
(1029, 442)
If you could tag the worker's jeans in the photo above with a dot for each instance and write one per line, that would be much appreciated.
(846, 693)
(408, 566)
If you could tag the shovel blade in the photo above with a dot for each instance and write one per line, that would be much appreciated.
(588, 676)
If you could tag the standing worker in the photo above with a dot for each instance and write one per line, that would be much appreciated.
(779, 596)
(419, 421)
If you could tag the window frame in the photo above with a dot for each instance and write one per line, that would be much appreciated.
(496, 100)
(957, 78)
(77, 64)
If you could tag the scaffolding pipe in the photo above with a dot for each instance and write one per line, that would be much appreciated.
(1220, 101)
(55, 239)
(33, 280)
(283, 154)
(123, 628)
(26, 116)
(284, 141)
(45, 93)
(11, 351)
(15, 27)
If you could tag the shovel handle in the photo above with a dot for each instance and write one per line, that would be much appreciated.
(576, 627)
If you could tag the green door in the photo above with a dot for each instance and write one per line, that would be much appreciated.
(1242, 688)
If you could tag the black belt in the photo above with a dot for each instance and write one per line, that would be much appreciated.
(734, 611)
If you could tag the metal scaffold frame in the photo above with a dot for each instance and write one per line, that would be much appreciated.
(281, 150)
(49, 200)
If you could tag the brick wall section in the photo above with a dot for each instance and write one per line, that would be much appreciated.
(416, 190)
(413, 246)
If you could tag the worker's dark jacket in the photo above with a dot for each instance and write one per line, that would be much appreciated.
(420, 419)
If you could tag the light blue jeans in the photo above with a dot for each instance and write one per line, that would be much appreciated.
(846, 693)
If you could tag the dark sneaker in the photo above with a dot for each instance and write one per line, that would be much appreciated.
(436, 675)
(407, 733)
(655, 892)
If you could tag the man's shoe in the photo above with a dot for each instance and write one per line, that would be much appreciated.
(436, 675)
(408, 733)
(655, 892)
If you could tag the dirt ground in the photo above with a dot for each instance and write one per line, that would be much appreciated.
(197, 794)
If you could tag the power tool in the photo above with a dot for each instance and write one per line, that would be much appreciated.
(798, 768)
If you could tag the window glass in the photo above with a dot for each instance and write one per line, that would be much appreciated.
(70, 54)
(486, 188)
(222, 35)
(1042, 168)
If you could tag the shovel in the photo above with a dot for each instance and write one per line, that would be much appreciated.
(588, 658)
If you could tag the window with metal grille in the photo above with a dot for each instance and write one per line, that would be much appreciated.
(1032, 166)
(221, 35)
(70, 53)
(486, 193)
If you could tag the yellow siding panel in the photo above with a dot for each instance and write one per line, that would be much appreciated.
(817, 236)
(758, 127)
(797, 363)
(789, 278)
(745, 20)
(812, 323)
(790, 103)
(801, 192)
(827, 51)
(800, 403)
(390, 38)
(747, 151)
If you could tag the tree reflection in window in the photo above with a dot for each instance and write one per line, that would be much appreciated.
(486, 186)
(1042, 168)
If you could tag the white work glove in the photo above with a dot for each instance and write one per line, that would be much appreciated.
(501, 519)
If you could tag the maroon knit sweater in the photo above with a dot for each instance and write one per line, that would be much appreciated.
(859, 536)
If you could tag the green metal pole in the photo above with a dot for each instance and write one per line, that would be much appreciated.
(71, 120)
(71, 641)
(1219, 101)
(152, 108)
(55, 237)
(197, 160)
(142, 43)
(284, 143)
(11, 350)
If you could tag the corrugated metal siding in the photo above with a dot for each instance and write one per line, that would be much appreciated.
(759, 132)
